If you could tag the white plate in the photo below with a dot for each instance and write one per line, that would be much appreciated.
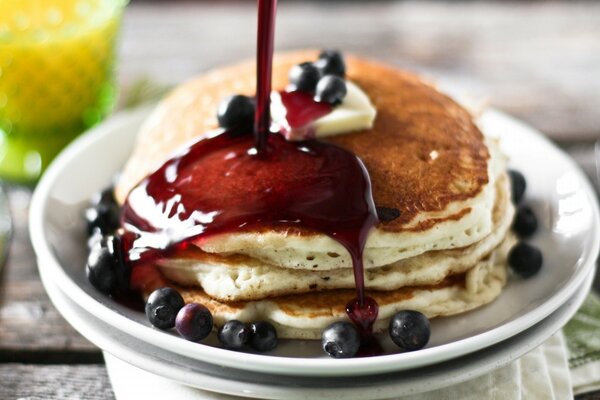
(250, 384)
(559, 192)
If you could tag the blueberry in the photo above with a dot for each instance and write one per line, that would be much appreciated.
(194, 322)
(525, 223)
(162, 307)
(331, 62)
(263, 336)
(100, 269)
(340, 340)
(106, 268)
(518, 185)
(104, 214)
(96, 238)
(234, 334)
(304, 77)
(387, 214)
(409, 329)
(331, 89)
(525, 260)
(103, 218)
(104, 197)
(236, 113)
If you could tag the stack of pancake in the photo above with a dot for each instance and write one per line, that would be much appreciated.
(444, 254)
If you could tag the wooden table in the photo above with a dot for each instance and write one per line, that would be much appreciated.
(538, 61)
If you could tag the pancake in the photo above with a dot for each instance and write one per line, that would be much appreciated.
(239, 277)
(445, 254)
(424, 154)
(304, 316)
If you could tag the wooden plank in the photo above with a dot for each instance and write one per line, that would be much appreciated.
(88, 382)
(538, 60)
(31, 328)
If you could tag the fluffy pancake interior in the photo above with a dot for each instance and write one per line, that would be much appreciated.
(240, 277)
(304, 316)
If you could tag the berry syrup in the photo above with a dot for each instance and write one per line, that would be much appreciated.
(228, 182)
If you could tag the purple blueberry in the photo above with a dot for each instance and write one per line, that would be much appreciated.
(194, 322)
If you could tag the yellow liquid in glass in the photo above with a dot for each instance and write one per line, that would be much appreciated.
(56, 77)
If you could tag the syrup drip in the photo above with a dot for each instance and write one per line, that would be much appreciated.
(265, 39)
(229, 183)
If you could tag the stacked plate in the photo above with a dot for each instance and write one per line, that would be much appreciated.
(461, 347)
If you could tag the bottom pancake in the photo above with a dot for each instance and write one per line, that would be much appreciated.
(304, 316)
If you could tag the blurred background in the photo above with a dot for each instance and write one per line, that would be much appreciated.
(537, 60)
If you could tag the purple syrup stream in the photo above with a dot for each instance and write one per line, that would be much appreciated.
(229, 183)
(265, 40)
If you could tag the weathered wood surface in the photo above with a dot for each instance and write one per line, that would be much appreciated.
(537, 61)
(33, 382)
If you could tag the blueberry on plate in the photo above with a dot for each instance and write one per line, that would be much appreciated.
(525, 223)
(234, 334)
(104, 214)
(331, 89)
(340, 340)
(194, 322)
(410, 330)
(236, 112)
(104, 197)
(103, 218)
(304, 77)
(331, 62)
(100, 269)
(518, 185)
(263, 336)
(162, 307)
(525, 260)
(96, 238)
(106, 268)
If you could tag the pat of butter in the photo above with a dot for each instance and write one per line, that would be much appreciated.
(354, 113)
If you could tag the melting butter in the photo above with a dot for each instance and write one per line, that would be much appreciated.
(356, 112)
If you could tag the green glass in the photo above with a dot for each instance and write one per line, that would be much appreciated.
(57, 64)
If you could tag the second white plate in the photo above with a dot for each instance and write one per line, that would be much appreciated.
(232, 381)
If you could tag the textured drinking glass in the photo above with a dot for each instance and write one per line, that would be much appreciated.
(57, 60)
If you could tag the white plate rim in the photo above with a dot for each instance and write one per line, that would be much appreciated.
(288, 365)
(461, 369)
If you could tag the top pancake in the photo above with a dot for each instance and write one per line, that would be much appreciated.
(423, 153)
